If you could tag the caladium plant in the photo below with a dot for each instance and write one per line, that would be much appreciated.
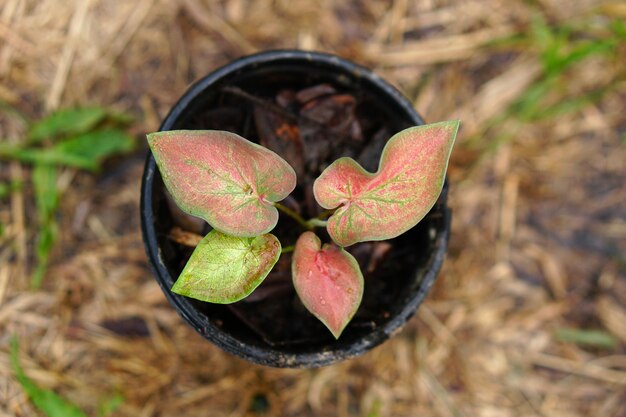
(235, 185)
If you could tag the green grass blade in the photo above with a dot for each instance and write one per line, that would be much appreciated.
(618, 27)
(47, 197)
(46, 239)
(6, 188)
(568, 106)
(375, 408)
(593, 338)
(44, 177)
(47, 401)
(540, 31)
(559, 49)
(528, 104)
(585, 50)
(108, 406)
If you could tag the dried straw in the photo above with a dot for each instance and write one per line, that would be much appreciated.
(539, 230)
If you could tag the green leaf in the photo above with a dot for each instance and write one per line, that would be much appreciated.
(224, 269)
(66, 122)
(94, 147)
(85, 151)
(593, 338)
(47, 401)
(45, 156)
(223, 178)
(387, 203)
(328, 281)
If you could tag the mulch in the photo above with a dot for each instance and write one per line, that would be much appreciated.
(536, 260)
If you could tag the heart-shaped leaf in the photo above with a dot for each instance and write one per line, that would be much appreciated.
(224, 269)
(223, 178)
(389, 202)
(328, 281)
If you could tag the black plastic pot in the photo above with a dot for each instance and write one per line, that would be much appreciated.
(390, 298)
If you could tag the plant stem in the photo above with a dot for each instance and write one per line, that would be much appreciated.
(288, 249)
(317, 222)
(307, 224)
(326, 214)
(291, 213)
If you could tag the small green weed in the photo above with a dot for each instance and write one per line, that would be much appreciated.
(79, 138)
(560, 48)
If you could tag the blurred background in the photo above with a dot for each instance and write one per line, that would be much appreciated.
(528, 317)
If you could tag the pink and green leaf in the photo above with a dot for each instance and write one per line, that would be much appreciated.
(328, 281)
(224, 269)
(387, 203)
(223, 178)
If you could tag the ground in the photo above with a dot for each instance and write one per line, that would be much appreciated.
(528, 317)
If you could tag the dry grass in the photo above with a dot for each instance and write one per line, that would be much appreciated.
(539, 230)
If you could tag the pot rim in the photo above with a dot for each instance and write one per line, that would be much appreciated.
(268, 355)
